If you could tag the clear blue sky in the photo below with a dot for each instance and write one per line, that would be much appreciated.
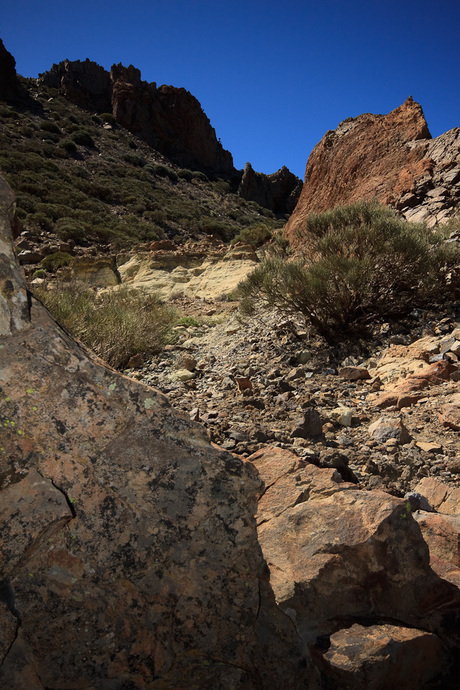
(272, 77)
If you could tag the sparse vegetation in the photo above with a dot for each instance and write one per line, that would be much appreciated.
(364, 263)
(57, 260)
(111, 188)
(116, 324)
(257, 235)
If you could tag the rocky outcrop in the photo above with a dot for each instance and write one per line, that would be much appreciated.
(382, 656)
(170, 119)
(391, 158)
(210, 271)
(129, 554)
(340, 556)
(86, 84)
(11, 89)
(278, 192)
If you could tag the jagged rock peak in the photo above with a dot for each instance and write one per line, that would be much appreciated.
(168, 118)
(391, 158)
(278, 192)
(10, 87)
(86, 83)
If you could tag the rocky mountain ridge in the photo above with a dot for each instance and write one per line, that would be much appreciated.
(169, 119)
(391, 158)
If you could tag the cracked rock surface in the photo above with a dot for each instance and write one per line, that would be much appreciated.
(129, 549)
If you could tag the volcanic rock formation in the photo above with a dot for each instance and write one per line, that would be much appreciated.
(168, 118)
(391, 158)
(278, 192)
(129, 554)
(11, 90)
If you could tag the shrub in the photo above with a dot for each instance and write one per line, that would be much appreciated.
(256, 234)
(134, 159)
(162, 171)
(51, 127)
(70, 229)
(185, 174)
(68, 145)
(109, 119)
(83, 138)
(39, 273)
(57, 260)
(116, 324)
(188, 321)
(365, 263)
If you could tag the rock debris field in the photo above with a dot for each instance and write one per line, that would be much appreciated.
(385, 421)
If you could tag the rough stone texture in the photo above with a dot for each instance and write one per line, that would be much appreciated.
(383, 656)
(442, 534)
(442, 497)
(406, 392)
(10, 87)
(86, 84)
(339, 555)
(278, 192)
(205, 274)
(386, 428)
(391, 158)
(100, 272)
(168, 118)
(132, 557)
(14, 306)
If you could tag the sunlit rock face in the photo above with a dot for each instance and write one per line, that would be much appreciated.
(129, 553)
(391, 158)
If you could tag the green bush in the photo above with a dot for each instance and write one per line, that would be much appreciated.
(83, 138)
(134, 159)
(256, 234)
(116, 324)
(39, 273)
(185, 174)
(57, 260)
(109, 119)
(162, 171)
(68, 145)
(70, 229)
(364, 263)
(51, 127)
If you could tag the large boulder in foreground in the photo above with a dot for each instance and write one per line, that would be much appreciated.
(339, 555)
(129, 553)
(391, 158)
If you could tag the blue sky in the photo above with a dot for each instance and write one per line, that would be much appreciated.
(272, 77)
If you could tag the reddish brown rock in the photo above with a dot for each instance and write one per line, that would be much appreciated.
(442, 534)
(382, 656)
(278, 192)
(86, 83)
(406, 392)
(336, 553)
(11, 89)
(168, 118)
(449, 413)
(129, 549)
(442, 497)
(354, 373)
(391, 158)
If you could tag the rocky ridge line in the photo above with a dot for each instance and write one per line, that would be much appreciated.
(391, 158)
